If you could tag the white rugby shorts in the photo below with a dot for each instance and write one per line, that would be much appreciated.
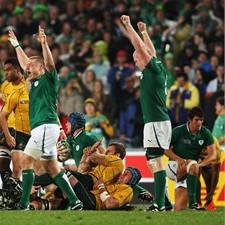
(42, 143)
(157, 134)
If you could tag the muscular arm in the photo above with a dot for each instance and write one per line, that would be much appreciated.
(3, 124)
(109, 202)
(146, 38)
(98, 158)
(135, 39)
(211, 150)
(48, 58)
(171, 155)
(22, 57)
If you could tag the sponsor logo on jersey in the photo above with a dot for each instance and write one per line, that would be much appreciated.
(187, 141)
(201, 142)
(77, 147)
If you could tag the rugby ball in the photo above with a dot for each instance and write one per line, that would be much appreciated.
(63, 150)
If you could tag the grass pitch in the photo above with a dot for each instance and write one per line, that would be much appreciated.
(136, 217)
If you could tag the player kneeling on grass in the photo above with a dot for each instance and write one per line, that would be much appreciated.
(187, 143)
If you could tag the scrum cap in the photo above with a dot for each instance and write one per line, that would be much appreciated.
(136, 175)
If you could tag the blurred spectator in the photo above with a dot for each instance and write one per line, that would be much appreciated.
(186, 56)
(200, 83)
(72, 97)
(97, 123)
(182, 96)
(65, 74)
(66, 33)
(169, 62)
(178, 34)
(56, 52)
(119, 69)
(54, 20)
(210, 115)
(204, 61)
(28, 26)
(81, 57)
(104, 102)
(215, 84)
(219, 125)
(209, 22)
(127, 109)
(218, 50)
(99, 66)
(88, 79)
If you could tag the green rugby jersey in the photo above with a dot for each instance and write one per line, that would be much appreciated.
(77, 144)
(153, 85)
(43, 99)
(188, 145)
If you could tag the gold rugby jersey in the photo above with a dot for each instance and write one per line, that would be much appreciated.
(18, 102)
(6, 89)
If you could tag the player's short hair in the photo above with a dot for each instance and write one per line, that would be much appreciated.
(136, 175)
(119, 148)
(14, 62)
(196, 111)
(38, 59)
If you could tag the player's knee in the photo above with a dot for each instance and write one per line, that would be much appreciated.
(27, 162)
(155, 164)
(193, 168)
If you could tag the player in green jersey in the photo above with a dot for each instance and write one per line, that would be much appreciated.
(43, 86)
(187, 143)
(78, 139)
(157, 128)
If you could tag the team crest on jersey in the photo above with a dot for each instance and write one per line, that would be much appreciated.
(36, 83)
(201, 142)
(77, 147)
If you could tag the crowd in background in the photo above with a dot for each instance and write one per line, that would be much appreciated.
(93, 56)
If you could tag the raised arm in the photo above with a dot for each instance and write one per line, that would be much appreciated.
(146, 38)
(136, 41)
(47, 55)
(22, 57)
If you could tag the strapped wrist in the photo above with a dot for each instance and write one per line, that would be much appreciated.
(144, 32)
(101, 186)
(17, 46)
(104, 195)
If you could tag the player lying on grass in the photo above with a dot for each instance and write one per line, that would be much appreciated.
(111, 196)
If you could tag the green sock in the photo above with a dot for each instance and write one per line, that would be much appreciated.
(192, 188)
(27, 183)
(137, 189)
(159, 187)
(64, 184)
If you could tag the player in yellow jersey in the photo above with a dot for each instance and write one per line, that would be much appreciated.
(103, 197)
(14, 81)
(109, 166)
(111, 196)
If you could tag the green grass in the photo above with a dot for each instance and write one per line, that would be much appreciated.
(135, 217)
